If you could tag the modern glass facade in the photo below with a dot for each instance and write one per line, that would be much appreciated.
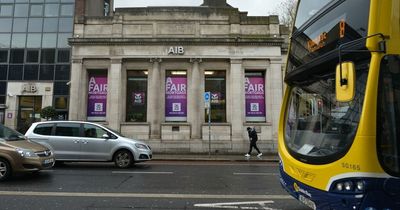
(34, 46)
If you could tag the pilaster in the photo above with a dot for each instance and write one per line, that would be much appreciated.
(195, 99)
(154, 102)
(237, 99)
(114, 94)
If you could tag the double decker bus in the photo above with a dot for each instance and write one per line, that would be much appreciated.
(339, 130)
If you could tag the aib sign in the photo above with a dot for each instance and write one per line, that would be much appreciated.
(176, 50)
(29, 88)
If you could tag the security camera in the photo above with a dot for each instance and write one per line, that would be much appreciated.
(68, 83)
(10, 94)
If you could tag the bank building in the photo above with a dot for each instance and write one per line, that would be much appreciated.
(145, 71)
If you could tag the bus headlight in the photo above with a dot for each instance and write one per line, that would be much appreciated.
(348, 185)
(339, 186)
(360, 185)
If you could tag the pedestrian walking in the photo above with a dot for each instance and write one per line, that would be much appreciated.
(253, 141)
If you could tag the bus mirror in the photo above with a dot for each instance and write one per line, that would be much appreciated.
(345, 82)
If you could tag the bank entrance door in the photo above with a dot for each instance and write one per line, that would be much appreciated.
(28, 111)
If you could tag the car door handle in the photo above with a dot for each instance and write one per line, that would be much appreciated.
(76, 141)
(84, 142)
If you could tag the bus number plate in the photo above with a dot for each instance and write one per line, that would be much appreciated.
(307, 202)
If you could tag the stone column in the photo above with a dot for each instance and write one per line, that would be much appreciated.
(154, 99)
(276, 93)
(237, 102)
(76, 102)
(195, 102)
(114, 94)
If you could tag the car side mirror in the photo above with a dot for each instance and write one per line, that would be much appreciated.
(345, 81)
(105, 136)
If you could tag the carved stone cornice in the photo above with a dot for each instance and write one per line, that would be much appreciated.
(116, 60)
(77, 60)
(195, 60)
(155, 60)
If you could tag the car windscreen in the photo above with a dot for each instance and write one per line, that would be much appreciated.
(9, 134)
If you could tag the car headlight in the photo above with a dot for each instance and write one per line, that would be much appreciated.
(26, 152)
(141, 146)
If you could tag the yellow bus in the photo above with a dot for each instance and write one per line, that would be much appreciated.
(339, 130)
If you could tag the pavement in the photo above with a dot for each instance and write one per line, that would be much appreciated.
(215, 157)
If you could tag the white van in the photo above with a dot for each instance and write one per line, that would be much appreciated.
(87, 141)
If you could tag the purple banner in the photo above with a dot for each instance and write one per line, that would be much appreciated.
(175, 98)
(138, 99)
(255, 98)
(97, 98)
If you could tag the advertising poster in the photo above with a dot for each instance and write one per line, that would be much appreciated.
(138, 98)
(255, 99)
(175, 99)
(97, 98)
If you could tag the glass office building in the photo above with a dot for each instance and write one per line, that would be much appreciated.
(34, 59)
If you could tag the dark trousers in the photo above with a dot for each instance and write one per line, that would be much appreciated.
(253, 144)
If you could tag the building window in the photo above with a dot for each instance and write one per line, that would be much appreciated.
(136, 96)
(46, 72)
(5, 40)
(36, 10)
(48, 56)
(97, 95)
(6, 10)
(254, 88)
(32, 56)
(216, 84)
(17, 56)
(35, 25)
(176, 96)
(5, 25)
(63, 56)
(3, 72)
(20, 24)
(21, 10)
(31, 72)
(51, 10)
(3, 56)
(61, 102)
(15, 72)
(62, 72)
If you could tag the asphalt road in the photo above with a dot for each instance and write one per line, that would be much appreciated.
(154, 185)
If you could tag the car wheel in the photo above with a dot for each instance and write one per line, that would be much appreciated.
(5, 169)
(123, 159)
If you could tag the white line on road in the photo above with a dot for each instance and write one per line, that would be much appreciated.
(237, 205)
(143, 195)
(256, 174)
(141, 172)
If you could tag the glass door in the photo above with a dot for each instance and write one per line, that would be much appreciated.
(28, 112)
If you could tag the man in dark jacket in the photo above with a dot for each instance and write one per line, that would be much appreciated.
(253, 141)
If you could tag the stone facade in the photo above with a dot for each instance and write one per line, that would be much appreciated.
(193, 39)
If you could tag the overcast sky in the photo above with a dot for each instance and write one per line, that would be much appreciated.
(253, 7)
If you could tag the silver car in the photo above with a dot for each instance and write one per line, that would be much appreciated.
(87, 141)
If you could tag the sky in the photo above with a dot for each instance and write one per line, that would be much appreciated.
(253, 7)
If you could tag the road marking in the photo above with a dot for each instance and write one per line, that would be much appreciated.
(143, 195)
(256, 174)
(141, 172)
(238, 205)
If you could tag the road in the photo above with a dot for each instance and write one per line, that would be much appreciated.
(157, 185)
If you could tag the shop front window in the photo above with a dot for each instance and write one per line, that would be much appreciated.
(215, 83)
(176, 96)
(97, 95)
(254, 88)
(136, 96)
